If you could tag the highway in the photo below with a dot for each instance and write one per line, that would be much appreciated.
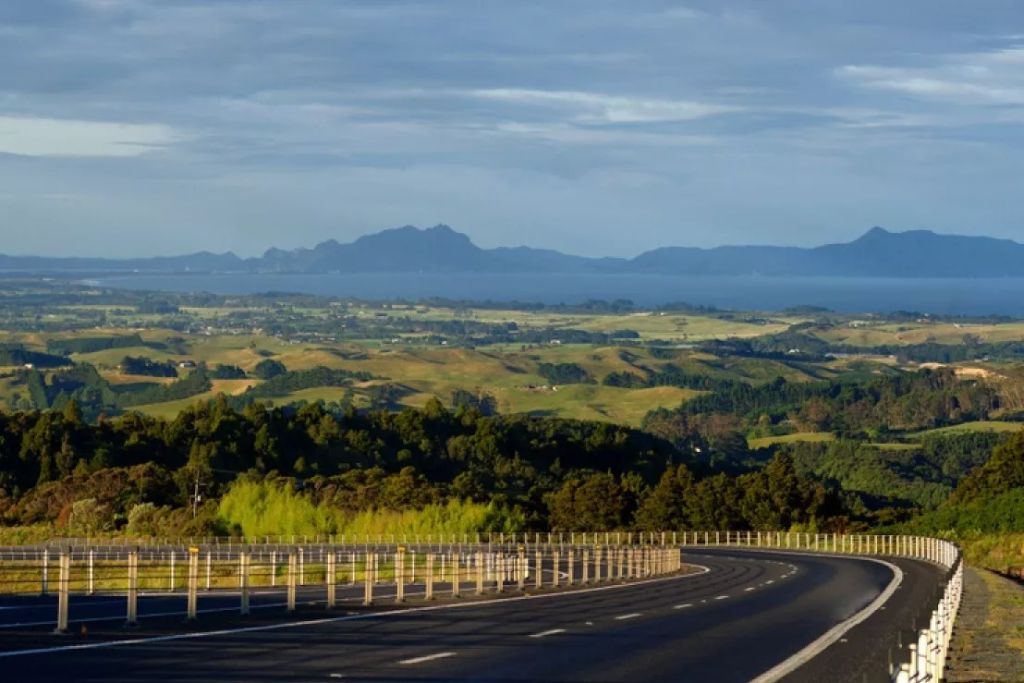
(745, 614)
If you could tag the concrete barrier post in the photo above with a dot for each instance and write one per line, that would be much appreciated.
(585, 560)
(570, 570)
(369, 561)
(171, 587)
(331, 578)
(629, 562)
(521, 568)
(273, 568)
(538, 574)
(63, 581)
(556, 560)
(456, 576)
(131, 617)
(292, 579)
(597, 564)
(193, 583)
(479, 573)
(302, 567)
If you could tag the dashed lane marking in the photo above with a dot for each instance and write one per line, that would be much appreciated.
(427, 658)
(550, 632)
(631, 615)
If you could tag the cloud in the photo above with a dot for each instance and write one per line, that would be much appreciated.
(41, 137)
(974, 79)
(592, 107)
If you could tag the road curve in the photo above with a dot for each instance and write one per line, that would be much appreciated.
(748, 613)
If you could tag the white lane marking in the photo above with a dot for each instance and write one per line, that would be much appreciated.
(790, 665)
(770, 581)
(683, 606)
(721, 597)
(348, 617)
(427, 658)
(631, 615)
(336, 676)
(749, 589)
(550, 632)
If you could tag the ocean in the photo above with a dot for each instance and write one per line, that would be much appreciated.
(999, 296)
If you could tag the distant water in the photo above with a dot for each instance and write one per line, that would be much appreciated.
(1002, 296)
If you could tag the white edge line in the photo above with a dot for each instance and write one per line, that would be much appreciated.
(836, 632)
(348, 617)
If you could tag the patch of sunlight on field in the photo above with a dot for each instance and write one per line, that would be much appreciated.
(977, 426)
(918, 333)
(766, 441)
(169, 409)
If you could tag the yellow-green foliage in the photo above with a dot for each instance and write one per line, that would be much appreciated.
(994, 551)
(275, 508)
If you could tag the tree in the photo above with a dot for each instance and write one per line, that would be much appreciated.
(268, 369)
(665, 508)
(594, 503)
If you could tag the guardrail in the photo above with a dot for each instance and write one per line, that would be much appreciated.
(209, 570)
(446, 565)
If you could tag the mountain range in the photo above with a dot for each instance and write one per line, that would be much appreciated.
(440, 249)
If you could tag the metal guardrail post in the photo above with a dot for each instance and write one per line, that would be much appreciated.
(63, 586)
(302, 568)
(243, 580)
(521, 568)
(479, 573)
(44, 569)
(292, 578)
(209, 568)
(368, 578)
(538, 578)
(456, 576)
(400, 574)
(92, 571)
(428, 578)
(131, 618)
(585, 560)
(171, 588)
(331, 579)
(193, 583)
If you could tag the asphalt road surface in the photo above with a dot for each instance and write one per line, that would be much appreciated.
(749, 613)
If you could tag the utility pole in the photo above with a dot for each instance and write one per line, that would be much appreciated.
(195, 497)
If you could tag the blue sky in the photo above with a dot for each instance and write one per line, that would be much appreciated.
(601, 128)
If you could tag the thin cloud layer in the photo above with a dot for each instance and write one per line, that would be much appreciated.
(133, 127)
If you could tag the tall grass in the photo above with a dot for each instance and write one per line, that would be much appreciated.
(275, 508)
